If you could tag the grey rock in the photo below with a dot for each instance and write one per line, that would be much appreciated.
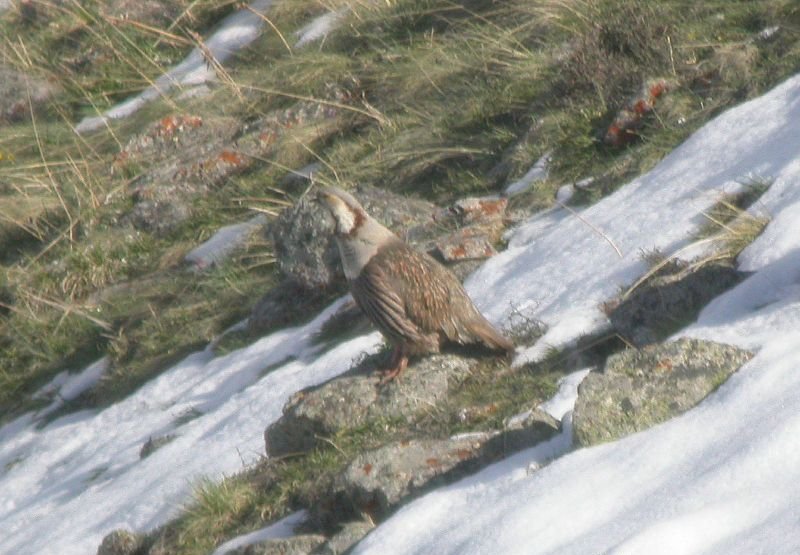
(666, 303)
(296, 545)
(284, 305)
(641, 388)
(158, 217)
(522, 432)
(303, 235)
(153, 444)
(353, 399)
(297, 179)
(305, 251)
(120, 542)
(349, 535)
(377, 481)
(177, 159)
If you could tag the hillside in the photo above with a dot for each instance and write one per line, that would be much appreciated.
(166, 303)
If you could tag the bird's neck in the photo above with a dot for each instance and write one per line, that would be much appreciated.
(357, 249)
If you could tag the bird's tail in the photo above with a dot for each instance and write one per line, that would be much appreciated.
(487, 335)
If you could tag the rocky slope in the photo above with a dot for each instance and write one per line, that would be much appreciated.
(187, 226)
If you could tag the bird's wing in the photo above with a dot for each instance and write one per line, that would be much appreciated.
(432, 297)
(377, 294)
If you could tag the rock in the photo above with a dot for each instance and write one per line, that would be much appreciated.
(641, 388)
(465, 244)
(521, 432)
(303, 235)
(296, 545)
(155, 443)
(349, 535)
(664, 304)
(19, 92)
(158, 217)
(284, 305)
(305, 252)
(298, 179)
(350, 400)
(479, 210)
(377, 481)
(120, 542)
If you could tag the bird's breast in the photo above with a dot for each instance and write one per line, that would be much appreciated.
(355, 254)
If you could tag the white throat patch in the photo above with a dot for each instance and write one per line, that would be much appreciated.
(345, 219)
(357, 250)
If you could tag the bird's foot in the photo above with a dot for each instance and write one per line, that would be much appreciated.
(399, 363)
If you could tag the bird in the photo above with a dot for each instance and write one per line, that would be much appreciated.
(417, 304)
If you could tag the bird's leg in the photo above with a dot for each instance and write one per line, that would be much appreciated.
(399, 363)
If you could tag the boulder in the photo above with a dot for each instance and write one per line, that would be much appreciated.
(377, 481)
(303, 235)
(120, 542)
(296, 545)
(666, 303)
(640, 388)
(351, 400)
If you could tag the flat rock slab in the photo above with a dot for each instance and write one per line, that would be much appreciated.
(377, 481)
(296, 545)
(351, 400)
(665, 304)
(641, 388)
(349, 535)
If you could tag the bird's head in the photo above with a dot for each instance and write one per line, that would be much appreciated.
(347, 212)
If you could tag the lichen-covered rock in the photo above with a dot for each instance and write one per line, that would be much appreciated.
(465, 244)
(664, 304)
(641, 388)
(377, 481)
(305, 251)
(350, 400)
(120, 542)
(302, 235)
(349, 535)
(296, 545)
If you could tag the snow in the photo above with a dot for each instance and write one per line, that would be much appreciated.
(226, 240)
(66, 485)
(722, 478)
(538, 172)
(319, 27)
(284, 528)
(235, 32)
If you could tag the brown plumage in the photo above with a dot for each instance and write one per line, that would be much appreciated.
(416, 303)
